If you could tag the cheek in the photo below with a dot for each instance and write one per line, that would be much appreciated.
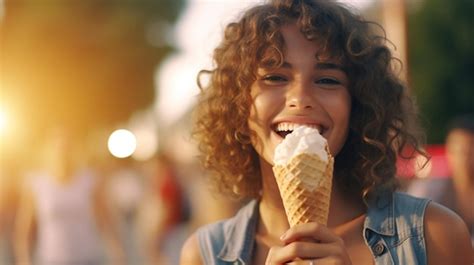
(345, 110)
(340, 114)
(264, 106)
(261, 103)
(255, 117)
(255, 125)
(257, 136)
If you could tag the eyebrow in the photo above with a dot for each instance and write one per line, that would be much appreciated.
(320, 66)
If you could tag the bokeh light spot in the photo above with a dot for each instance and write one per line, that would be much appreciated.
(122, 143)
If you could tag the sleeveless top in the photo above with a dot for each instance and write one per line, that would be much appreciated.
(67, 232)
(393, 230)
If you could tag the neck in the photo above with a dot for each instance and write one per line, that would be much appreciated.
(344, 208)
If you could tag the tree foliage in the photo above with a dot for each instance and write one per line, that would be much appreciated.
(441, 56)
(84, 62)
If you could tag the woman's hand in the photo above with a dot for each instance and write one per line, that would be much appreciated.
(309, 244)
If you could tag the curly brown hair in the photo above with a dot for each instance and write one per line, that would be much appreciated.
(382, 116)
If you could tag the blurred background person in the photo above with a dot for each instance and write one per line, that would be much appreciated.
(456, 191)
(163, 208)
(125, 191)
(460, 155)
(63, 202)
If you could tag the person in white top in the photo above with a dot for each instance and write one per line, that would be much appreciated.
(66, 204)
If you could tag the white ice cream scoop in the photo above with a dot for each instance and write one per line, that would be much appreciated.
(302, 140)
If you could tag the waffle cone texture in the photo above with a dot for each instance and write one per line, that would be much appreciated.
(304, 198)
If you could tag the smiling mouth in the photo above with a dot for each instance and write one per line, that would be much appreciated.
(285, 128)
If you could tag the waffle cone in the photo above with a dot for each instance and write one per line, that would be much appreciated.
(305, 200)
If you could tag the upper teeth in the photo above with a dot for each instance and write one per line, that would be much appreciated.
(288, 126)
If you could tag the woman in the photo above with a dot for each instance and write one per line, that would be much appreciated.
(314, 63)
(67, 204)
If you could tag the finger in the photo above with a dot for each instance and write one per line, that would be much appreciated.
(272, 253)
(301, 250)
(316, 232)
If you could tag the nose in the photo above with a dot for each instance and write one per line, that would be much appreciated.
(299, 97)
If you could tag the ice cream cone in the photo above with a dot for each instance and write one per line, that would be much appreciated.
(305, 186)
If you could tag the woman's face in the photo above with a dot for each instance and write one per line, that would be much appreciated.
(306, 89)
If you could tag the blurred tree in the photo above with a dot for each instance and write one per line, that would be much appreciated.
(441, 52)
(82, 62)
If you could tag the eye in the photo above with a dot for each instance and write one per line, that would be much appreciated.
(272, 78)
(328, 81)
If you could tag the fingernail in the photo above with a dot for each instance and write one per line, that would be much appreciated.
(282, 237)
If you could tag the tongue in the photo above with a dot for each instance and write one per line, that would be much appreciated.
(283, 134)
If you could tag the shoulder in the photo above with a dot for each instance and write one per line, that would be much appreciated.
(190, 254)
(203, 244)
(407, 207)
(447, 236)
(403, 199)
(397, 214)
(220, 239)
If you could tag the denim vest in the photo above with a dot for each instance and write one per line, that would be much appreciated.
(393, 230)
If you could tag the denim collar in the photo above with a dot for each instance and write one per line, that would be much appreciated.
(380, 215)
(239, 235)
(240, 232)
